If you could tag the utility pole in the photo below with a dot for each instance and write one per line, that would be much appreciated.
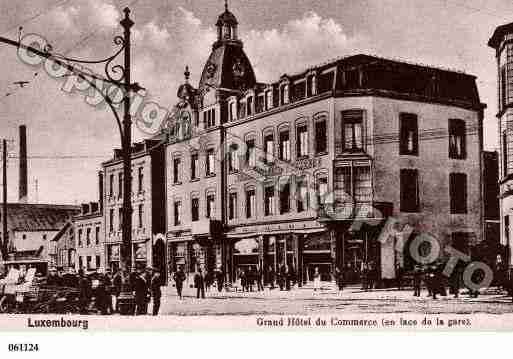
(4, 204)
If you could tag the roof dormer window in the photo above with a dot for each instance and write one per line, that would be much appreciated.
(284, 94)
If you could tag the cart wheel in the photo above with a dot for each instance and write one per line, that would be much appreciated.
(5, 305)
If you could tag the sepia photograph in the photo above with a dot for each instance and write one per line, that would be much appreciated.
(256, 165)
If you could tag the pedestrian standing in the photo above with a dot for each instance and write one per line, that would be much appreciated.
(455, 280)
(84, 286)
(339, 279)
(101, 294)
(179, 278)
(417, 280)
(281, 277)
(141, 293)
(365, 276)
(399, 276)
(243, 280)
(259, 277)
(156, 292)
(117, 282)
(199, 283)
(251, 278)
(317, 279)
(219, 279)
(272, 276)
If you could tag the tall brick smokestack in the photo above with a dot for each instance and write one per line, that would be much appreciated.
(23, 165)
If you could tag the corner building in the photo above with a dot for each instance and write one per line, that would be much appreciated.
(306, 170)
(502, 42)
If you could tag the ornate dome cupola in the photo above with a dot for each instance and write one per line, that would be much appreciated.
(228, 68)
(186, 92)
(226, 26)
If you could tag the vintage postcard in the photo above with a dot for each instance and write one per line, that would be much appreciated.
(256, 165)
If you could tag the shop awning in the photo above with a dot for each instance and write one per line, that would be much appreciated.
(241, 235)
(25, 261)
(309, 231)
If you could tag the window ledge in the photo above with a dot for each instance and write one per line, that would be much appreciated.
(210, 175)
(177, 183)
(194, 180)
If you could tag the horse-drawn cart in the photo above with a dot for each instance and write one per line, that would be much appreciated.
(32, 297)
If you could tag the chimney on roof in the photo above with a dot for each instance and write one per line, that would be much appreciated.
(23, 165)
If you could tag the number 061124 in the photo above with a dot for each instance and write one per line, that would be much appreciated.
(23, 347)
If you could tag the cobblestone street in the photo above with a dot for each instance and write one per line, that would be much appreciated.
(328, 300)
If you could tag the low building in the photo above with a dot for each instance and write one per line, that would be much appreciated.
(89, 238)
(62, 248)
(31, 229)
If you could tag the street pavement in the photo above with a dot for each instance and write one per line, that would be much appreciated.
(305, 300)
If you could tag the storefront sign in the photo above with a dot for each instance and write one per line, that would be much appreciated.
(114, 253)
(140, 251)
(279, 227)
(307, 163)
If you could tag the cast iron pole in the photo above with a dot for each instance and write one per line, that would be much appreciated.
(126, 247)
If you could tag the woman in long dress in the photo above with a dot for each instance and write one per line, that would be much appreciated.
(317, 279)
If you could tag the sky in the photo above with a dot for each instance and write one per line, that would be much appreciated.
(68, 138)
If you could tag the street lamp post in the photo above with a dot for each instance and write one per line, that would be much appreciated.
(126, 247)
(118, 75)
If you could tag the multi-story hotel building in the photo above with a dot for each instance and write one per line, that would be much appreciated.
(148, 205)
(502, 42)
(305, 171)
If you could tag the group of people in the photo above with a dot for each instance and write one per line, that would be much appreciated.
(250, 279)
(203, 281)
(100, 291)
(285, 278)
(436, 282)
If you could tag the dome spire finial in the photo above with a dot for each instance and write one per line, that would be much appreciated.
(187, 73)
(225, 5)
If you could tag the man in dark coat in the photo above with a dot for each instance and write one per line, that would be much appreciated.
(84, 285)
(250, 278)
(271, 275)
(199, 284)
(243, 280)
(259, 277)
(141, 293)
(281, 277)
(219, 279)
(417, 280)
(156, 292)
(455, 280)
(179, 278)
(287, 278)
(101, 294)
